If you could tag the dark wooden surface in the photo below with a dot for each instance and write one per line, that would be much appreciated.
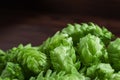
(16, 29)
(106, 8)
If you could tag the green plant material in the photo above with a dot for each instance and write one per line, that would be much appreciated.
(29, 57)
(115, 76)
(7, 79)
(100, 71)
(78, 31)
(12, 71)
(114, 54)
(55, 41)
(59, 76)
(2, 60)
(78, 52)
(63, 58)
(90, 50)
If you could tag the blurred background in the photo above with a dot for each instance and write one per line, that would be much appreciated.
(34, 21)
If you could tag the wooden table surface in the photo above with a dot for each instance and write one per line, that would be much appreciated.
(35, 29)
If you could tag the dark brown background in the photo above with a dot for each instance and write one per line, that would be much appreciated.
(33, 21)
